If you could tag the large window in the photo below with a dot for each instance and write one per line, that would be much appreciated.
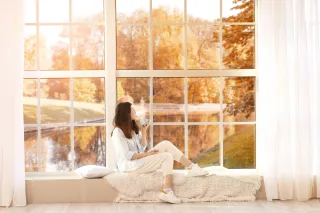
(64, 85)
(187, 65)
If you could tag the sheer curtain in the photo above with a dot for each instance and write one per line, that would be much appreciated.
(288, 97)
(12, 176)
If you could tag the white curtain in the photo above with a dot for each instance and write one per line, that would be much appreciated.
(12, 175)
(288, 97)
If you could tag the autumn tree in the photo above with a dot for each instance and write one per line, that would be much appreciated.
(239, 95)
(30, 54)
(203, 45)
(168, 47)
(137, 88)
(132, 47)
(238, 42)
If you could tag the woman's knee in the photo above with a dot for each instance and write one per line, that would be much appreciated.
(166, 155)
(163, 145)
(166, 143)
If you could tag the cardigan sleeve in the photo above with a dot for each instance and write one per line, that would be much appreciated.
(140, 146)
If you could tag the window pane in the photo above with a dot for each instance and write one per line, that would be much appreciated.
(238, 10)
(203, 147)
(87, 11)
(56, 152)
(239, 99)
(89, 105)
(136, 91)
(167, 10)
(168, 47)
(30, 14)
(54, 47)
(203, 47)
(204, 99)
(239, 49)
(30, 102)
(56, 11)
(55, 101)
(88, 47)
(239, 147)
(168, 99)
(132, 47)
(203, 11)
(133, 13)
(30, 149)
(30, 48)
(172, 133)
(90, 146)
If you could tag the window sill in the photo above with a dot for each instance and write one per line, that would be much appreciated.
(75, 176)
(52, 176)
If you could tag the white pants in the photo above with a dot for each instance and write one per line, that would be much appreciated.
(163, 160)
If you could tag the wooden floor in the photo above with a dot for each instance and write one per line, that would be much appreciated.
(312, 206)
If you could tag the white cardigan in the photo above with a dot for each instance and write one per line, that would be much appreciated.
(125, 149)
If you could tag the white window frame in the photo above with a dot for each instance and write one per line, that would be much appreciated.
(183, 73)
(63, 74)
(110, 73)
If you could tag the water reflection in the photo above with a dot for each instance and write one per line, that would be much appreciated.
(90, 146)
(56, 151)
(30, 147)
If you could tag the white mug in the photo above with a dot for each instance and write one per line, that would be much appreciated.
(144, 122)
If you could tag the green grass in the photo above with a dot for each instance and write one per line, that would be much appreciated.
(29, 114)
(239, 151)
(57, 114)
(209, 158)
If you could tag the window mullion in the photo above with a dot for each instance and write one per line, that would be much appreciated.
(111, 75)
(221, 90)
(151, 71)
(38, 90)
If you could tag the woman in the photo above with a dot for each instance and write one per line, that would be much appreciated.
(131, 156)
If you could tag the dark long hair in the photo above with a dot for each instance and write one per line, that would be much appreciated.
(122, 120)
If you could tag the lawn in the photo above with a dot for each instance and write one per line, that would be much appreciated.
(239, 150)
(60, 113)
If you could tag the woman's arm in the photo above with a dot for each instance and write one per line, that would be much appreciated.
(142, 145)
(143, 155)
(143, 135)
(139, 155)
(144, 138)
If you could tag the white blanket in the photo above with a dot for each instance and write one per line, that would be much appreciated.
(223, 185)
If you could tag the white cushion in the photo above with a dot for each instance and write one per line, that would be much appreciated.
(93, 171)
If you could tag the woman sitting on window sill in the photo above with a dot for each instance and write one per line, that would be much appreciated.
(131, 156)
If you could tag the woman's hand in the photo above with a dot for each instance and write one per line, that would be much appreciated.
(152, 152)
(144, 128)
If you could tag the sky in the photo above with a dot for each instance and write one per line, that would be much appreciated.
(57, 11)
(205, 9)
(48, 9)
